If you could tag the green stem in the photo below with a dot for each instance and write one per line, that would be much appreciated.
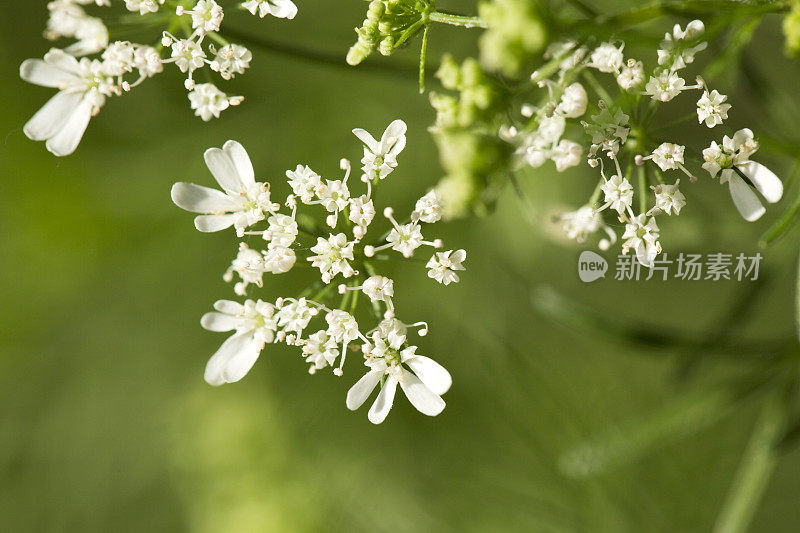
(422, 55)
(458, 20)
(755, 470)
(642, 188)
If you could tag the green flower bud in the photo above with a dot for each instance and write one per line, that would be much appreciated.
(449, 73)
(515, 37)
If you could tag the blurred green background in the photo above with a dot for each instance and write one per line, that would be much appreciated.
(106, 423)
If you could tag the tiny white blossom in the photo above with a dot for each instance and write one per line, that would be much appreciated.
(304, 182)
(668, 156)
(83, 87)
(91, 35)
(641, 235)
(380, 157)
(668, 199)
(406, 238)
(579, 224)
(231, 59)
(277, 8)
(253, 325)
(378, 288)
(566, 154)
(243, 202)
(208, 101)
(279, 259)
(143, 6)
(428, 209)
(442, 266)
(342, 326)
(573, 102)
(296, 315)
(666, 86)
(632, 75)
(320, 350)
(712, 109)
(607, 58)
(282, 230)
(618, 194)
(206, 16)
(332, 256)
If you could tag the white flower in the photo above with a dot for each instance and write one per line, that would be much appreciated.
(362, 211)
(244, 201)
(668, 156)
(304, 182)
(665, 87)
(428, 209)
(231, 59)
(187, 55)
(249, 264)
(296, 315)
(642, 236)
(334, 195)
(406, 238)
(573, 101)
(422, 379)
(208, 101)
(566, 154)
(64, 19)
(342, 326)
(332, 255)
(632, 75)
(92, 36)
(606, 58)
(551, 128)
(147, 61)
(608, 130)
(380, 157)
(579, 224)
(712, 109)
(378, 288)
(279, 259)
(118, 58)
(254, 326)
(668, 199)
(536, 150)
(733, 160)
(276, 8)
(282, 230)
(83, 87)
(673, 52)
(206, 16)
(618, 194)
(320, 350)
(143, 6)
(442, 266)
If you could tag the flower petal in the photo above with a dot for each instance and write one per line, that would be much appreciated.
(765, 181)
(383, 403)
(421, 397)
(244, 167)
(38, 72)
(223, 169)
(284, 9)
(359, 392)
(52, 116)
(219, 322)
(229, 307)
(199, 199)
(242, 361)
(212, 223)
(364, 136)
(220, 359)
(66, 140)
(393, 139)
(432, 374)
(62, 60)
(744, 198)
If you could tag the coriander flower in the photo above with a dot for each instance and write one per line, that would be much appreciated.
(665, 87)
(618, 193)
(380, 157)
(668, 199)
(143, 6)
(422, 379)
(320, 350)
(428, 209)
(332, 256)
(208, 101)
(566, 154)
(304, 182)
(277, 8)
(641, 235)
(712, 109)
(253, 325)
(607, 58)
(442, 266)
(230, 60)
(83, 86)
(243, 202)
(732, 162)
(573, 102)
(632, 75)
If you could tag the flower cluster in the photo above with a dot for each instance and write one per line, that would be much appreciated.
(613, 141)
(321, 321)
(94, 67)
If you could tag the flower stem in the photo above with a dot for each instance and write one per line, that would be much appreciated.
(642, 188)
(458, 20)
(422, 55)
(757, 465)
